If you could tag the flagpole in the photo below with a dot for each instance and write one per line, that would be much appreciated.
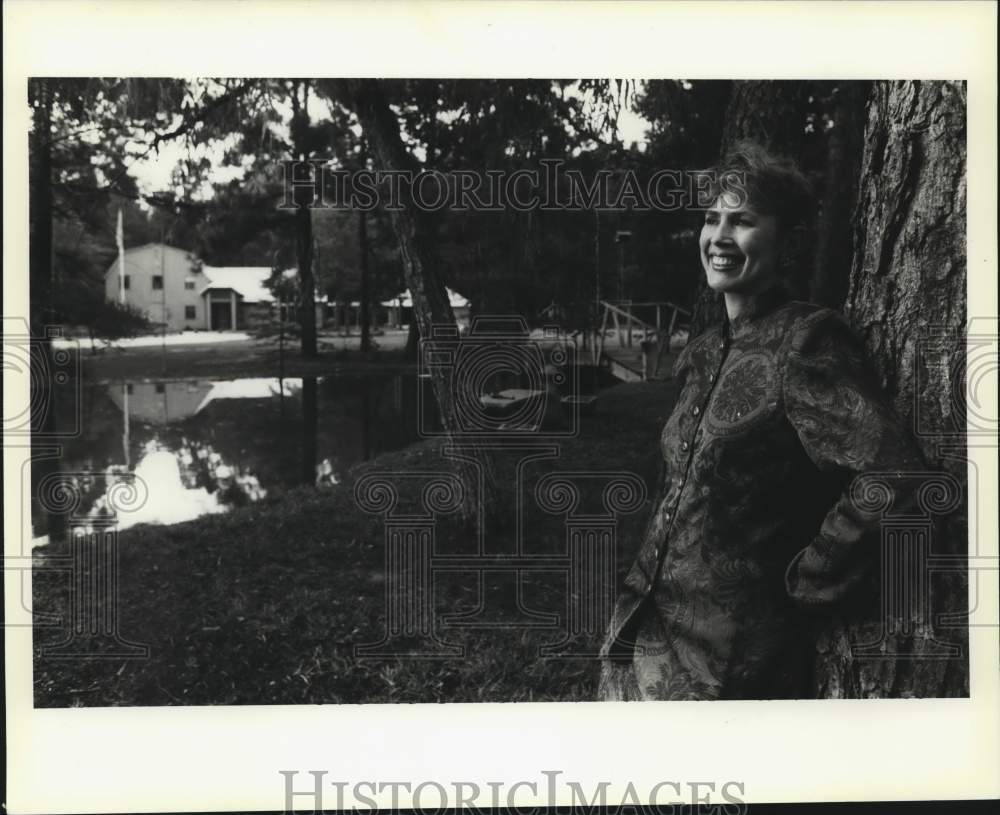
(120, 235)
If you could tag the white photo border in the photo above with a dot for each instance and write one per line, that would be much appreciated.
(229, 758)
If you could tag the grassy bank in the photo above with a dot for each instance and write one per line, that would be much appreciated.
(265, 605)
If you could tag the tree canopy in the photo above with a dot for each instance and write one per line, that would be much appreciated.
(223, 200)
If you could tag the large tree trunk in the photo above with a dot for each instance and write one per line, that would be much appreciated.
(834, 251)
(907, 299)
(772, 114)
(413, 341)
(769, 112)
(304, 256)
(365, 316)
(41, 292)
(303, 227)
(431, 306)
(40, 211)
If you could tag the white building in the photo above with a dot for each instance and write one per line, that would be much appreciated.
(172, 287)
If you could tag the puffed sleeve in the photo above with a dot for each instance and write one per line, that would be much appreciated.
(846, 425)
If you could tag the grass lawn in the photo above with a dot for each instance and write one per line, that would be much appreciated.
(264, 605)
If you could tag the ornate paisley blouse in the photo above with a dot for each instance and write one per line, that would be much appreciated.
(753, 520)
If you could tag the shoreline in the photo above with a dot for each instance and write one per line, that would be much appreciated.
(229, 360)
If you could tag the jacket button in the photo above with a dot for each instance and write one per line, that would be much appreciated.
(711, 377)
(666, 516)
(695, 410)
(684, 445)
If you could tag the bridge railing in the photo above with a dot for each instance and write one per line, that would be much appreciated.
(664, 318)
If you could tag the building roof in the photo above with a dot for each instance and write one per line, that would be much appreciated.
(156, 245)
(142, 248)
(247, 281)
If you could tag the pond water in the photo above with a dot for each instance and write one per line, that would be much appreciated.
(193, 447)
(171, 450)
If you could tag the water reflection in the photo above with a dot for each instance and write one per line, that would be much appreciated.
(171, 498)
(165, 402)
(204, 446)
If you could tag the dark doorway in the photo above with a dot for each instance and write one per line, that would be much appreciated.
(222, 317)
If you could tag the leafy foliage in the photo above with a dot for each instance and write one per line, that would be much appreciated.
(79, 303)
(504, 261)
(89, 131)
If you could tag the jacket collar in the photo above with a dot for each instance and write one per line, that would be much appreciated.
(759, 307)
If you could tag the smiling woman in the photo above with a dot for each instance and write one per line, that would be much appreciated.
(753, 228)
(756, 520)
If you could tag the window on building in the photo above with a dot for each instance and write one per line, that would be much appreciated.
(128, 388)
(190, 312)
(189, 284)
(157, 281)
(160, 387)
(127, 281)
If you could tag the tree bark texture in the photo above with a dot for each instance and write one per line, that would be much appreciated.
(907, 299)
(769, 113)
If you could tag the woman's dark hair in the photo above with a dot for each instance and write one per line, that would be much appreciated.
(770, 184)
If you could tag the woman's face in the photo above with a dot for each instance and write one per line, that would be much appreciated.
(739, 248)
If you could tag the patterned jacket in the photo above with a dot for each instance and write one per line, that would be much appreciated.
(777, 413)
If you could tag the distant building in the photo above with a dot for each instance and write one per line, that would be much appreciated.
(174, 288)
(235, 297)
(161, 281)
(401, 309)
